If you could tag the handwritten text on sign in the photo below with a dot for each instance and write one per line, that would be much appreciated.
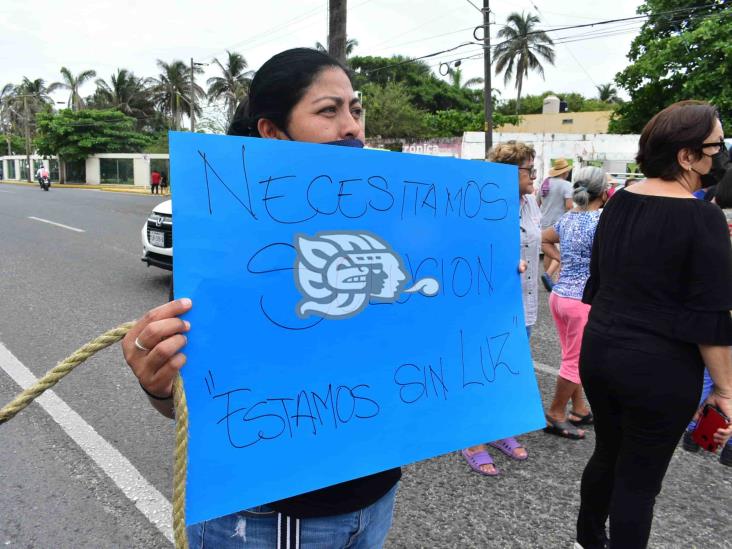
(354, 311)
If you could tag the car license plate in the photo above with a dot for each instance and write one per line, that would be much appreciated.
(157, 239)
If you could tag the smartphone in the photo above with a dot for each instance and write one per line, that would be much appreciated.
(711, 419)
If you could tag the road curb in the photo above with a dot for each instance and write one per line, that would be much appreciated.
(107, 188)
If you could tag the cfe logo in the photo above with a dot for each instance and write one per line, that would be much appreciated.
(339, 273)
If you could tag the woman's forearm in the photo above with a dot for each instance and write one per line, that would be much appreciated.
(550, 250)
(718, 360)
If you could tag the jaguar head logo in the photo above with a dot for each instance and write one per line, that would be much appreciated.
(339, 273)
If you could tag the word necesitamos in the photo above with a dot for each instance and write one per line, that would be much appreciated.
(291, 199)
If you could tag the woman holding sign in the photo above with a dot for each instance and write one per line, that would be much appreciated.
(298, 95)
(521, 155)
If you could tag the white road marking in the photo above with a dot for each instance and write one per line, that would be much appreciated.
(9, 192)
(128, 479)
(57, 224)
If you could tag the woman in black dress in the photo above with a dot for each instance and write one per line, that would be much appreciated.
(660, 287)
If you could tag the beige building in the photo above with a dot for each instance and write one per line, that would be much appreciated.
(561, 122)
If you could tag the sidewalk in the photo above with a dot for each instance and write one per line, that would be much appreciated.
(132, 189)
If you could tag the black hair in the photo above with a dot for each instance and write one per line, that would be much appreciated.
(683, 125)
(278, 86)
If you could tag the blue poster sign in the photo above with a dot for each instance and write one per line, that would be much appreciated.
(353, 310)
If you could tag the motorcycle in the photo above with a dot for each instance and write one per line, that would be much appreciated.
(45, 183)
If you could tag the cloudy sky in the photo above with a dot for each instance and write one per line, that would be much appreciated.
(40, 36)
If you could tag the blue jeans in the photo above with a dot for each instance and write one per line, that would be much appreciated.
(256, 528)
(706, 389)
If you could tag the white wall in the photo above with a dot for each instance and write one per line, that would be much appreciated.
(614, 150)
(93, 171)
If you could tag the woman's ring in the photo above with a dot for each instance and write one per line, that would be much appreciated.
(141, 346)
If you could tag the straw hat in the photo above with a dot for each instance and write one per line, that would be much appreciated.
(560, 166)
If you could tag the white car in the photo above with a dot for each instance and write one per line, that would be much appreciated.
(157, 237)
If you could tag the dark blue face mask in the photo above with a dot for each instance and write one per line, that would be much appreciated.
(347, 143)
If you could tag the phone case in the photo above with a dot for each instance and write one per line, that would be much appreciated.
(711, 420)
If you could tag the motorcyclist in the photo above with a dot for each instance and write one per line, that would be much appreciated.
(42, 176)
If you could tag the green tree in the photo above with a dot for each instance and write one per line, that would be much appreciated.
(8, 115)
(351, 44)
(520, 50)
(456, 79)
(683, 55)
(453, 123)
(390, 112)
(74, 135)
(73, 84)
(128, 94)
(427, 91)
(233, 85)
(607, 93)
(171, 91)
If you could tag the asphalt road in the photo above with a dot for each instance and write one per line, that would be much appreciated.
(59, 288)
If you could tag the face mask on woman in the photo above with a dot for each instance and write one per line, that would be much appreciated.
(346, 143)
(720, 161)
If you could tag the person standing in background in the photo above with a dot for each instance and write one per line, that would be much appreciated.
(555, 199)
(574, 232)
(521, 155)
(155, 182)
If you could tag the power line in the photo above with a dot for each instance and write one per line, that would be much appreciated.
(439, 17)
(689, 10)
(476, 7)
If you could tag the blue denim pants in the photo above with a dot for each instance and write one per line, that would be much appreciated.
(257, 528)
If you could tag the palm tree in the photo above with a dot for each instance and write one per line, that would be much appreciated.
(350, 46)
(518, 51)
(171, 91)
(8, 114)
(36, 91)
(32, 94)
(607, 93)
(126, 93)
(456, 79)
(233, 85)
(73, 84)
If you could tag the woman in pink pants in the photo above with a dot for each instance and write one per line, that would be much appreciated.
(575, 232)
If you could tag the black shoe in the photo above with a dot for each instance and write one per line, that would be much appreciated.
(725, 458)
(688, 444)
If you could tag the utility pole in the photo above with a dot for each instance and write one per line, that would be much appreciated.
(337, 29)
(26, 118)
(192, 101)
(487, 92)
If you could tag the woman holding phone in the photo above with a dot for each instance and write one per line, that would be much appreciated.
(661, 296)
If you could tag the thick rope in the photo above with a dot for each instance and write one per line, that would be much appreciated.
(65, 367)
(62, 369)
(180, 465)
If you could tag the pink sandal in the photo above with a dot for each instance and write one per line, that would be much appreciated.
(477, 459)
(508, 446)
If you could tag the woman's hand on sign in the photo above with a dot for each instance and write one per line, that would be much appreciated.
(152, 347)
(522, 266)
